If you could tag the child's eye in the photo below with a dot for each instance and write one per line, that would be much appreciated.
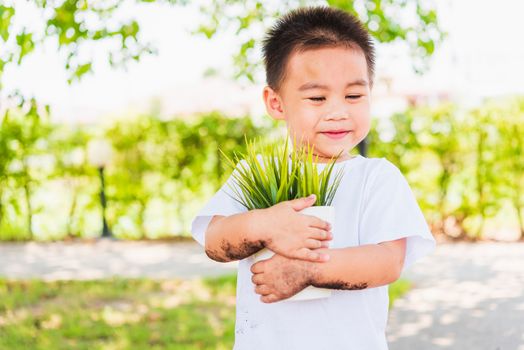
(317, 98)
(354, 97)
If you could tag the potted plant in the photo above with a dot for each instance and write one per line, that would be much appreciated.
(269, 174)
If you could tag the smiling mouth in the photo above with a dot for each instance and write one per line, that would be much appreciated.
(335, 134)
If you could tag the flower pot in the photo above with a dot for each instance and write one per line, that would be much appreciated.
(326, 213)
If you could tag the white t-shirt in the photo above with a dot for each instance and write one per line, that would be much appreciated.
(373, 204)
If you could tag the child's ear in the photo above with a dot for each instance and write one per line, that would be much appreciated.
(273, 103)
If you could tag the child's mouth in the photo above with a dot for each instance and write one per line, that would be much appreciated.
(336, 134)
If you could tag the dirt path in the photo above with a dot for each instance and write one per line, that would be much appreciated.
(465, 296)
(106, 258)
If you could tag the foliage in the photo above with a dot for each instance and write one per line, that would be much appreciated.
(465, 168)
(464, 165)
(165, 162)
(23, 133)
(272, 174)
(77, 178)
(158, 168)
(75, 26)
(509, 155)
(383, 18)
(123, 313)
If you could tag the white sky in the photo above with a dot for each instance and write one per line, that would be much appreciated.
(484, 56)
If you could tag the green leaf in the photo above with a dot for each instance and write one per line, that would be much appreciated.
(6, 14)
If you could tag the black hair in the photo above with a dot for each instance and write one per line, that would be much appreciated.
(312, 28)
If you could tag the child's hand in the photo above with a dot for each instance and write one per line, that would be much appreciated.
(295, 235)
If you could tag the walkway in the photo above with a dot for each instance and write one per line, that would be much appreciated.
(106, 258)
(465, 296)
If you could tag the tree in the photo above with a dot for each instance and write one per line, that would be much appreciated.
(381, 17)
(24, 132)
(69, 147)
(6, 156)
(440, 134)
(77, 25)
(128, 190)
(510, 156)
(191, 154)
(402, 142)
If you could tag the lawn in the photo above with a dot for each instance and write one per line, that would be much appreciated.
(122, 314)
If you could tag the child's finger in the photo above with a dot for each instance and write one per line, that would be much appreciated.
(317, 233)
(262, 289)
(257, 278)
(323, 258)
(324, 244)
(257, 267)
(306, 254)
(302, 203)
(313, 243)
(271, 298)
(313, 221)
(309, 255)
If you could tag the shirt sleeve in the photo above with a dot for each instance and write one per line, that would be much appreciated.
(221, 203)
(391, 212)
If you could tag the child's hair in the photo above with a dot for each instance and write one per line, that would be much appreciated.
(312, 28)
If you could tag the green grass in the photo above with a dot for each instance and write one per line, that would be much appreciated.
(269, 174)
(398, 289)
(122, 314)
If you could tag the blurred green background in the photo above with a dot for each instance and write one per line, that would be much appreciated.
(464, 165)
(457, 139)
(463, 162)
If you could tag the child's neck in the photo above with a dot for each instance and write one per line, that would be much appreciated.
(324, 160)
(342, 158)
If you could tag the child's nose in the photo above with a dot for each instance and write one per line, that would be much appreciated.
(338, 115)
(337, 110)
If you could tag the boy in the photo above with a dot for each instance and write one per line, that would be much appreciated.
(319, 68)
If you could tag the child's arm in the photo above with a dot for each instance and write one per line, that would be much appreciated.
(360, 267)
(349, 268)
(234, 237)
(280, 228)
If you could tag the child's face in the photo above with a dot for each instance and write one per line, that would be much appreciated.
(324, 89)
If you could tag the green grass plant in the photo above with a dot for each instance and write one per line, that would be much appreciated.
(270, 173)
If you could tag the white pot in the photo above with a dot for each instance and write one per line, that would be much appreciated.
(326, 213)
